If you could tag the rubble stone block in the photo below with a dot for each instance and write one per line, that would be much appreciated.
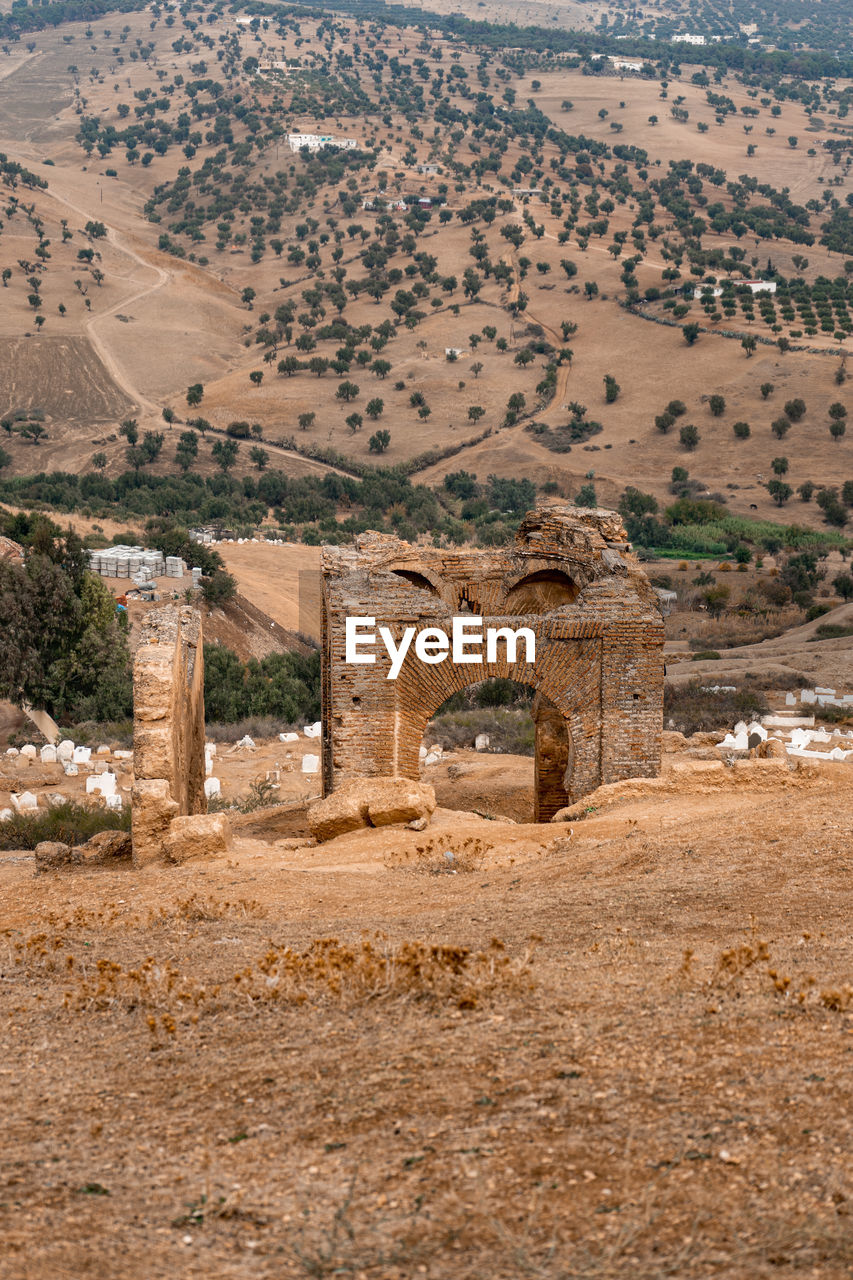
(153, 811)
(52, 854)
(198, 835)
(366, 802)
(344, 810)
(107, 847)
(393, 800)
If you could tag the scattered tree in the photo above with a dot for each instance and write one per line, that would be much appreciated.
(379, 441)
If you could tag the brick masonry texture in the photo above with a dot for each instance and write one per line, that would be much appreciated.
(598, 673)
(168, 729)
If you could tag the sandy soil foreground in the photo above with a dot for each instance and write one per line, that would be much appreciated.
(615, 1047)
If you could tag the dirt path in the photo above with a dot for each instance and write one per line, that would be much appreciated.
(117, 373)
(7, 71)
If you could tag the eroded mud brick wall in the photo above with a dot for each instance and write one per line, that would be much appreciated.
(571, 579)
(168, 726)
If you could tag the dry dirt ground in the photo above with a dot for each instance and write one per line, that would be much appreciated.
(284, 581)
(646, 1075)
(821, 662)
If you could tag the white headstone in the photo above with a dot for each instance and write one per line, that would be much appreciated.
(103, 750)
(13, 751)
(123, 755)
(481, 742)
(65, 750)
(246, 742)
(103, 783)
(312, 730)
(807, 695)
(115, 802)
(790, 700)
(24, 803)
(310, 764)
(432, 758)
(70, 768)
(82, 755)
(422, 753)
(212, 787)
(210, 748)
(48, 755)
(288, 737)
(29, 751)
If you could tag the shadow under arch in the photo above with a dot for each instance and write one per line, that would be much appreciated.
(542, 592)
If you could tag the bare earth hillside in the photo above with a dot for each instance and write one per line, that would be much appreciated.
(174, 298)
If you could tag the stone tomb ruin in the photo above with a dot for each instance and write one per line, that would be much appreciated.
(597, 675)
(598, 670)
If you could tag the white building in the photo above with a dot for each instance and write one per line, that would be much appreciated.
(687, 38)
(383, 202)
(754, 286)
(314, 141)
(622, 64)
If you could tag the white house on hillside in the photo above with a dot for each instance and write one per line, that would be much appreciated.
(314, 141)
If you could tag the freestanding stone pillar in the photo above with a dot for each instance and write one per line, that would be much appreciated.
(168, 733)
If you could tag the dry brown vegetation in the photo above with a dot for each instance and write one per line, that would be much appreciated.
(319, 1063)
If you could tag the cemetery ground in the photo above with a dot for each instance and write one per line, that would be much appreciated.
(614, 1047)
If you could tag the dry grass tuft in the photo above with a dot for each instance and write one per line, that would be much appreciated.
(327, 970)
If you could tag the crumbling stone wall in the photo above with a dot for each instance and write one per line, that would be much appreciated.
(570, 578)
(168, 732)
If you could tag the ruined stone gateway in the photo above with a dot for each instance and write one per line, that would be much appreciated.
(598, 670)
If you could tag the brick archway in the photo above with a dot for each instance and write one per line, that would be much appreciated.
(554, 754)
(598, 660)
(422, 690)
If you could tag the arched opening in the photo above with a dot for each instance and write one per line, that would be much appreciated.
(512, 751)
(555, 759)
(542, 592)
(415, 579)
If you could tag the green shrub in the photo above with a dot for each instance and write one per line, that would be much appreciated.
(833, 631)
(510, 729)
(69, 823)
(689, 709)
